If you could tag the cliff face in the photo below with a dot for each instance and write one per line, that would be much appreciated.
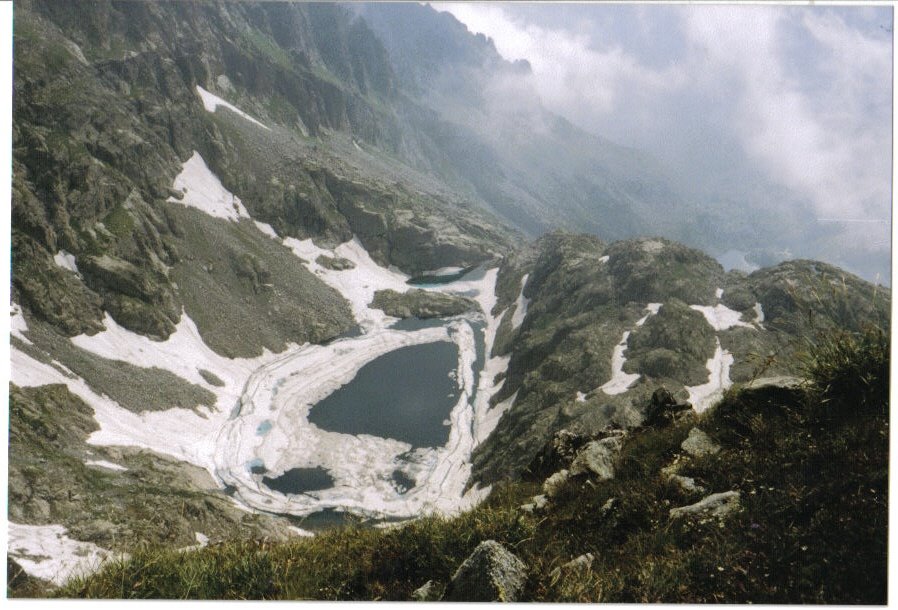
(108, 107)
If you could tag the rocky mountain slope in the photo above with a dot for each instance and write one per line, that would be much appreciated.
(532, 168)
(222, 211)
(667, 315)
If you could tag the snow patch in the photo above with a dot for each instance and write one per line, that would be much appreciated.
(721, 317)
(105, 464)
(66, 261)
(357, 285)
(267, 229)
(204, 191)
(520, 310)
(482, 285)
(652, 309)
(187, 435)
(719, 293)
(17, 324)
(301, 532)
(604, 259)
(488, 419)
(45, 551)
(212, 101)
(581, 397)
(442, 271)
(759, 314)
(705, 395)
(620, 381)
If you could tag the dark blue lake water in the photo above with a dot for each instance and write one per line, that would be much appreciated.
(300, 480)
(406, 395)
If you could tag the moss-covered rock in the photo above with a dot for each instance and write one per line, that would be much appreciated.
(421, 304)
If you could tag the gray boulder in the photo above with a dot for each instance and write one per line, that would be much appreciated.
(687, 484)
(335, 263)
(428, 592)
(716, 505)
(491, 573)
(597, 458)
(698, 444)
(785, 382)
(575, 566)
(554, 483)
(537, 504)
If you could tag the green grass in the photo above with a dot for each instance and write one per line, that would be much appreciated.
(255, 39)
(352, 562)
(119, 221)
(811, 468)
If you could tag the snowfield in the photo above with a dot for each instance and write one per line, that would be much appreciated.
(705, 395)
(520, 310)
(66, 261)
(203, 190)
(45, 551)
(212, 101)
(721, 317)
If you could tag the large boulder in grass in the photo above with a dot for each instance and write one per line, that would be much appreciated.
(597, 458)
(699, 444)
(491, 573)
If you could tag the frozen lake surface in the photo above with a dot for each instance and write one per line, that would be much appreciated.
(406, 395)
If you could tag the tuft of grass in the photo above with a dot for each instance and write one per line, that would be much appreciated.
(849, 372)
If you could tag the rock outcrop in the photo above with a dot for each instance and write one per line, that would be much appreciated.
(717, 505)
(699, 444)
(422, 304)
(490, 574)
(597, 458)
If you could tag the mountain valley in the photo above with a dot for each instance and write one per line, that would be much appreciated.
(282, 285)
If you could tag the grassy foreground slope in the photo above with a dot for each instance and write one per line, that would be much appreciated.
(811, 468)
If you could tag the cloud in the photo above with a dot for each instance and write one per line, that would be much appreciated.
(817, 142)
(572, 76)
(798, 98)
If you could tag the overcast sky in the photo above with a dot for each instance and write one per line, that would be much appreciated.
(727, 96)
